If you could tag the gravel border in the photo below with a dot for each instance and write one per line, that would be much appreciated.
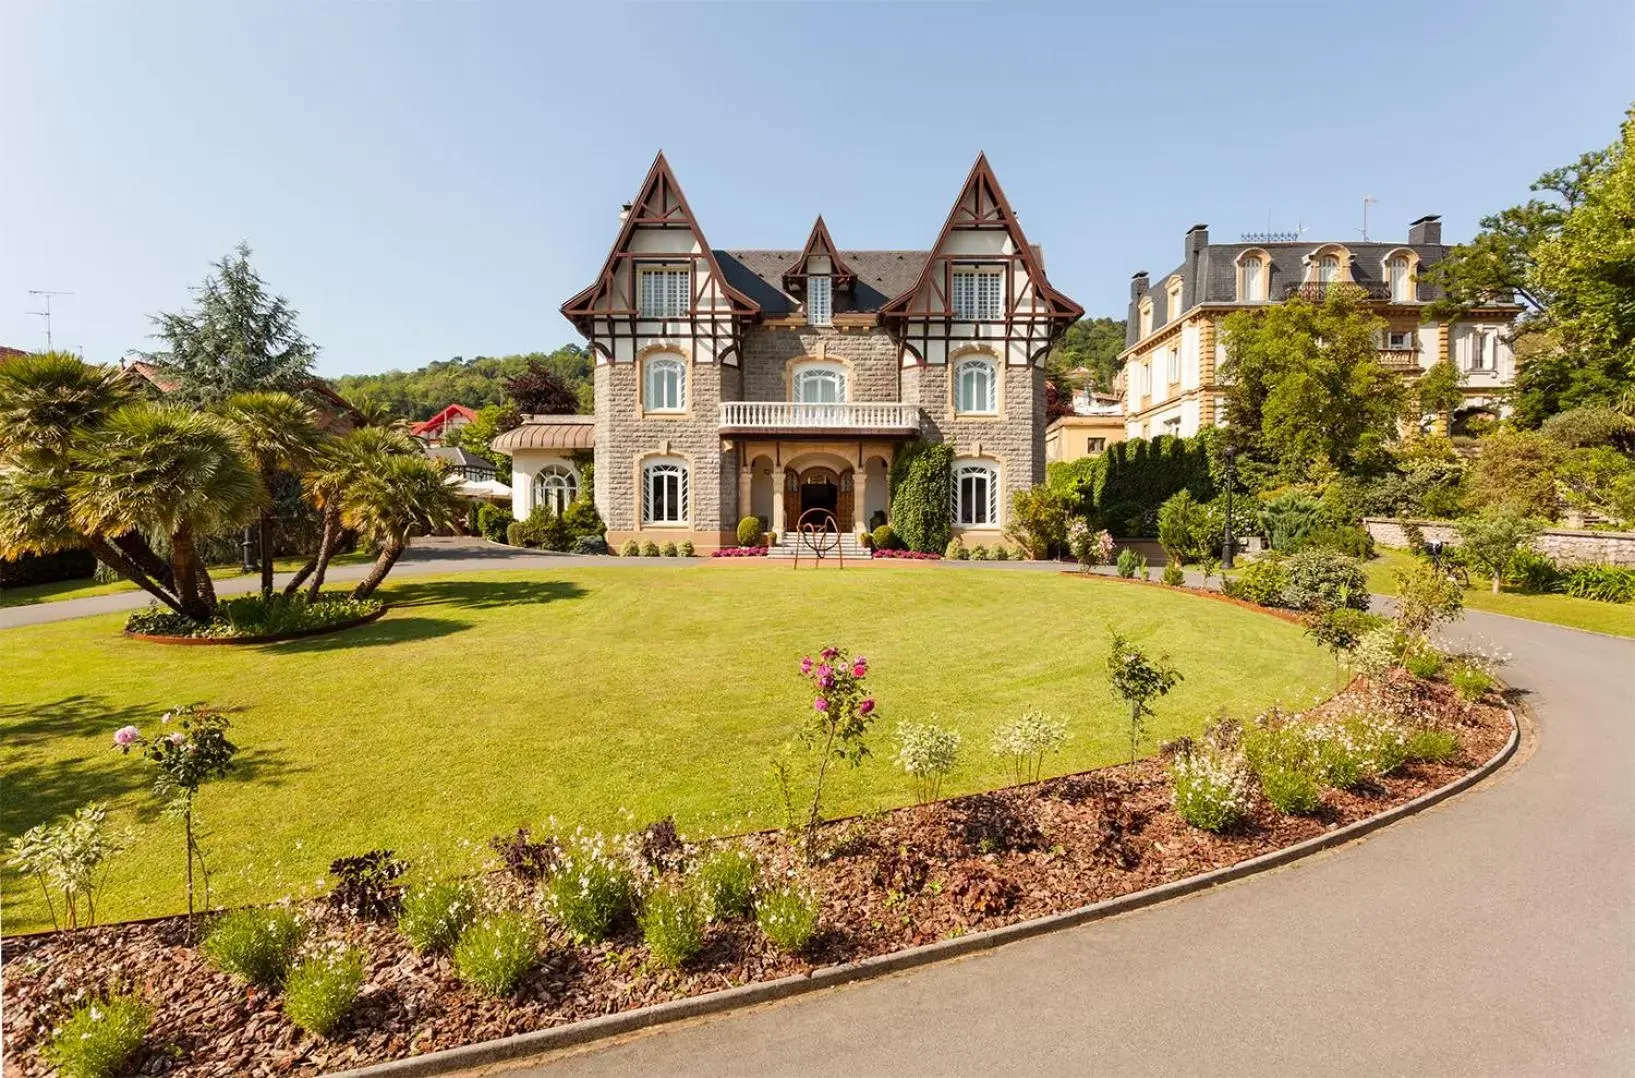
(576, 1033)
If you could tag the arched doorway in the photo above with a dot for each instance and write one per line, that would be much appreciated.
(817, 487)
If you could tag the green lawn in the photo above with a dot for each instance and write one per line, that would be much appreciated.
(1615, 618)
(603, 695)
(30, 594)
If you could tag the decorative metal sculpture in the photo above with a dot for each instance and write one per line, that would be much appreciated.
(818, 533)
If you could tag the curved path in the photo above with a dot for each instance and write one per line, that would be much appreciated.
(1492, 935)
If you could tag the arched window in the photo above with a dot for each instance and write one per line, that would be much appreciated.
(976, 386)
(1254, 279)
(976, 494)
(556, 486)
(1401, 279)
(664, 491)
(666, 388)
(1328, 269)
(820, 385)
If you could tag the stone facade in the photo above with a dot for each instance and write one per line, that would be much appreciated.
(1015, 437)
(1566, 545)
(771, 352)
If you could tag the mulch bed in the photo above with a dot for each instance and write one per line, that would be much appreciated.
(890, 881)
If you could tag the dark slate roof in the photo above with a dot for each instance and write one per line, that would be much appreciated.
(458, 456)
(1216, 277)
(882, 276)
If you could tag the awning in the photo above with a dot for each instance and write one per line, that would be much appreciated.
(562, 432)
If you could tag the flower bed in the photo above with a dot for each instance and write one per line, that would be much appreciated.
(884, 883)
(739, 552)
(909, 555)
(251, 620)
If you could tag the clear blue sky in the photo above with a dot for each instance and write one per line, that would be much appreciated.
(432, 179)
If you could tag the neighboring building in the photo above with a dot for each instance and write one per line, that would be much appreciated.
(435, 431)
(463, 463)
(548, 453)
(770, 383)
(334, 412)
(1096, 423)
(1175, 345)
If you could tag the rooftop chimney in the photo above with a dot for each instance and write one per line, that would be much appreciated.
(1138, 285)
(1197, 240)
(1427, 231)
(624, 213)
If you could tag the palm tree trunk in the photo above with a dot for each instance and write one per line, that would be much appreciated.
(266, 554)
(140, 554)
(319, 565)
(115, 559)
(383, 565)
(184, 567)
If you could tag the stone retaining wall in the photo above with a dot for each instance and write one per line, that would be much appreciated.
(1567, 545)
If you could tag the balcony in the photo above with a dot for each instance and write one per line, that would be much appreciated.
(791, 417)
(1399, 359)
(1314, 292)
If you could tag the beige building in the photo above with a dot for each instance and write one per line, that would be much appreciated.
(1096, 423)
(1175, 346)
(782, 384)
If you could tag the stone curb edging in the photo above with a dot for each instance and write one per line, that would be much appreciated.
(576, 1033)
(274, 638)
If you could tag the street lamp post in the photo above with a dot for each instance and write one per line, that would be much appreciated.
(247, 563)
(1226, 545)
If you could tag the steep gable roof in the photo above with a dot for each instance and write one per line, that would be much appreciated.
(818, 243)
(660, 203)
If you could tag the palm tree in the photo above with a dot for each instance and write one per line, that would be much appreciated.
(280, 433)
(340, 464)
(46, 397)
(389, 502)
(168, 469)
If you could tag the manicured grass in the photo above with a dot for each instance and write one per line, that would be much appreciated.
(1615, 618)
(608, 696)
(31, 594)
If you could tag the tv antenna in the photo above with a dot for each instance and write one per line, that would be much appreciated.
(1367, 201)
(46, 314)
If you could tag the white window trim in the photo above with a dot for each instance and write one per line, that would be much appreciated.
(566, 480)
(991, 405)
(1253, 279)
(654, 468)
(983, 297)
(675, 295)
(649, 398)
(989, 471)
(1172, 365)
(806, 370)
(820, 300)
(1406, 294)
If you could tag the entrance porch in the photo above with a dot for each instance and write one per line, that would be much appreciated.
(781, 479)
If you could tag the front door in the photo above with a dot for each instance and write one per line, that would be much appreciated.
(815, 488)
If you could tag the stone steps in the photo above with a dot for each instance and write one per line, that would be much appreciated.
(850, 548)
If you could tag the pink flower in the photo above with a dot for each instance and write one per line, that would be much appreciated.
(826, 670)
(820, 704)
(177, 738)
(866, 707)
(826, 681)
(806, 665)
(860, 667)
(126, 736)
(829, 653)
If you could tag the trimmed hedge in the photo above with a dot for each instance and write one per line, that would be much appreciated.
(1122, 489)
(47, 568)
(922, 480)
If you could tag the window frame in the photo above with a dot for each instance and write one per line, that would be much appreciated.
(1172, 303)
(812, 371)
(664, 360)
(979, 309)
(543, 490)
(971, 363)
(820, 313)
(669, 272)
(1406, 265)
(1252, 279)
(654, 469)
(1172, 365)
(988, 472)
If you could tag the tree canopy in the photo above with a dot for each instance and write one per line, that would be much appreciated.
(1091, 343)
(476, 383)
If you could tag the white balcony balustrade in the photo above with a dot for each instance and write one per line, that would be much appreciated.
(795, 415)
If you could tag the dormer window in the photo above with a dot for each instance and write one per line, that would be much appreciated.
(979, 294)
(664, 291)
(1252, 282)
(1145, 321)
(1174, 304)
(1400, 273)
(1328, 269)
(819, 300)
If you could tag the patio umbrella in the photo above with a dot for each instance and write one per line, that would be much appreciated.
(490, 489)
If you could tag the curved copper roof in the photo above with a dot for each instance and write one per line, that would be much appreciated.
(548, 432)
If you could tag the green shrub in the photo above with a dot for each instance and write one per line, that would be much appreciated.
(494, 522)
(669, 550)
(1001, 553)
(1211, 789)
(1470, 681)
(885, 538)
(1320, 578)
(1434, 746)
(749, 531)
(581, 520)
(1423, 662)
(590, 544)
(964, 554)
(922, 491)
(789, 918)
(650, 549)
(630, 549)
(322, 988)
(686, 549)
(672, 923)
(1128, 560)
(1533, 572)
(1378, 650)
(1359, 749)
(726, 884)
(1291, 792)
(255, 944)
(1603, 583)
(1351, 540)
(251, 615)
(1288, 761)
(592, 888)
(433, 916)
(99, 1037)
(515, 532)
(955, 549)
(1261, 581)
(1038, 521)
(979, 553)
(1185, 528)
(494, 954)
(1289, 518)
(1173, 576)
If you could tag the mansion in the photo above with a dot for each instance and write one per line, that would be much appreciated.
(1174, 343)
(782, 384)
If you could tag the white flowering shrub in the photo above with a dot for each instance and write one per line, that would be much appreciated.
(99, 1038)
(789, 917)
(927, 753)
(433, 916)
(725, 881)
(257, 945)
(672, 922)
(321, 989)
(1360, 748)
(494, 953)
(1213, 790)
(1377, 651)
(1025, 742)
(593, 886)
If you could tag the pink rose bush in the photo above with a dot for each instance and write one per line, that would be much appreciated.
(910, 555)
(739, 552)
(842, 711)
